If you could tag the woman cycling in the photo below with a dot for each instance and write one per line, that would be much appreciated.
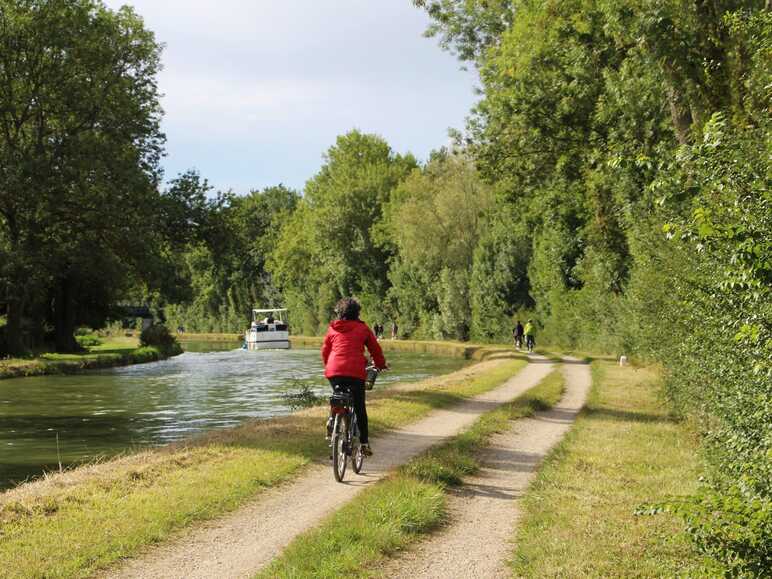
(344, 360)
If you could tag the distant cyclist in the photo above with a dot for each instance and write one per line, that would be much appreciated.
(344, 359)
(530, 340)
(518, 334)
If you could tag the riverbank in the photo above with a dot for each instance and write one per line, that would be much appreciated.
(76, 522)
(114, 352)
(466, 350)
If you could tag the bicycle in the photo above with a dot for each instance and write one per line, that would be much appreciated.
(345, 429)
(530, 342)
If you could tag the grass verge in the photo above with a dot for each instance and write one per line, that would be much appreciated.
(402, 508)
(624, 450)
(73, 524)
(115, 352)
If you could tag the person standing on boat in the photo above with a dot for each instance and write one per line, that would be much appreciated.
(344, 360)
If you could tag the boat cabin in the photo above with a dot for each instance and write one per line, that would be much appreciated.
(268, 330)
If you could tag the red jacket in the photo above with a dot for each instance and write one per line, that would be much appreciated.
(343, 349)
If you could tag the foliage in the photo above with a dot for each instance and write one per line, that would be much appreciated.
(724, 343)
(85, 341)
(329, 247)
(159, 336)
(79, 147)
(303, 397)
(600, 123)
(434, 220)
(222, 247)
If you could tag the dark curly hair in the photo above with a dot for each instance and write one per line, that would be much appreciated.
(347, 309)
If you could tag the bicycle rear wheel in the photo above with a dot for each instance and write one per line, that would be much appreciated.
(339, 446)
(357, 459)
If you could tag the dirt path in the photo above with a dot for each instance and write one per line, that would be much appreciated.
(484, 511)
(242, 543)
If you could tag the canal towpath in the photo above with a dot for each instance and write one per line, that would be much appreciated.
(243, 542)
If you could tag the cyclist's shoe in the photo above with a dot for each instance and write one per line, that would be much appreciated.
(366, 450)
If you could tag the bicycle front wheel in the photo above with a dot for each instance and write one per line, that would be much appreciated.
(339, 457)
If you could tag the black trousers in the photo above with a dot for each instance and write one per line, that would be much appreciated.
(357, 389)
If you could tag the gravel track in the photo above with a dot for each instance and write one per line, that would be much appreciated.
(477, 542)
(240, 544)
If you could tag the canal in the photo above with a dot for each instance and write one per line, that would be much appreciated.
(103, 413)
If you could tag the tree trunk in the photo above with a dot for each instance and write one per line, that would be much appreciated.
(64, 316)
(13, 334)
(680, 115)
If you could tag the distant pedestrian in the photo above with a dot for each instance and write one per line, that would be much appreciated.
(518, 334)
(394, 330)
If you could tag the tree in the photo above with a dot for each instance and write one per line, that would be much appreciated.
(79, 146)
(223, 256)
(331, 248)
(435, 220)
(468, 27)
(602, 121)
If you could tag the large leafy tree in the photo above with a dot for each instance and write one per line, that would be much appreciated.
(221, 244)
(79, 149)
(330, 248)
(435, 220)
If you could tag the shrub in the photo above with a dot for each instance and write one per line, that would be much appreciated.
(718, 345)
(86, 341)
(159, 336)
(305, 397)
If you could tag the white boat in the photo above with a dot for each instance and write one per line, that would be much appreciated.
(268, 330)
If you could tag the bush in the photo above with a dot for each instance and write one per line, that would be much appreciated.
(718, 345)
(304, 397)
(158, 336)
(87, 341)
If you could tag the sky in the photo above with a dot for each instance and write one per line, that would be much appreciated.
(256, 90)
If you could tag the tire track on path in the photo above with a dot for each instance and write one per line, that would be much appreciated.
(485, 510)
(240, 544)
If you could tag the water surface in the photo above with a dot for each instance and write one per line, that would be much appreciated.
(106, 412)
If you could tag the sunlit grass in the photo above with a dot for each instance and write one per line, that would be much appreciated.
(624, 450)
(378, 521)
(113, 351)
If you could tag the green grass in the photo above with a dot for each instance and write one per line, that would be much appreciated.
(449, 463)
(381, 520)
(624, 450)
(116, 351)
(99, 523)
(74, 524)
(404, 508)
